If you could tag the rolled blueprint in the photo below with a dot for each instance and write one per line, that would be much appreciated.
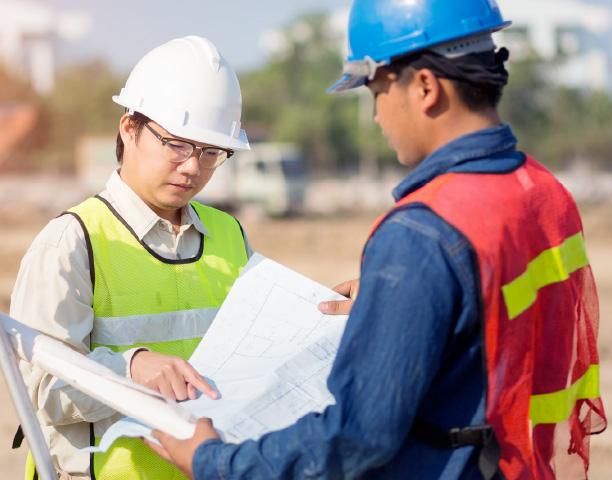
(99, 382)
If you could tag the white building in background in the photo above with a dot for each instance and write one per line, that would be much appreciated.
(575, 34)
(28, 33)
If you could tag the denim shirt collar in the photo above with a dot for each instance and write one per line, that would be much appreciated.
(489, 142)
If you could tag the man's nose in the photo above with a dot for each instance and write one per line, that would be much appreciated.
(191, 166)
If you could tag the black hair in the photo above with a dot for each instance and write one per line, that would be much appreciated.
(478, 78)
(137, 120)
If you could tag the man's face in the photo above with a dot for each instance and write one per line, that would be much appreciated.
(163, 185)
(396, 111)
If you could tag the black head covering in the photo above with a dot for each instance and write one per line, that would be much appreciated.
(484, 69)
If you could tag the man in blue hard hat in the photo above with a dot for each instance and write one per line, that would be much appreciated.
(470, 351)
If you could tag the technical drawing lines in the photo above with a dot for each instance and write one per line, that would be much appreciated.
(272, 324)
(299, 389)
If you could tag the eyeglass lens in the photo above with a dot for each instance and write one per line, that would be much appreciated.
(179, 151)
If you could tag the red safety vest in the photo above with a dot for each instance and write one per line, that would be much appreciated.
(540, 314)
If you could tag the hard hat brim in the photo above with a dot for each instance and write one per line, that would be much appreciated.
(191, 133)
(347, 82)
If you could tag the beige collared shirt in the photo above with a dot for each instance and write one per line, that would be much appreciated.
(53, 294)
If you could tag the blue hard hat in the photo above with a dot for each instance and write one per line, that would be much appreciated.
(382, 29)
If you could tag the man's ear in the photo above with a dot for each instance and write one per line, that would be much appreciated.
(126, 130)
(428, 89)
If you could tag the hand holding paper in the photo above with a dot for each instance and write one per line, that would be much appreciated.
(349, 290)
(181, 452)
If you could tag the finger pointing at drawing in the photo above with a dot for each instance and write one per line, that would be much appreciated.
(171, 376)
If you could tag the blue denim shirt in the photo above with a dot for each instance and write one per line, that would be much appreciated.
(411, 348)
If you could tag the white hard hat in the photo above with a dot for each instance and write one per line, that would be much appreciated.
(189, 89)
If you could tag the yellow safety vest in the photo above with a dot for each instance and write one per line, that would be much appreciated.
(143, 299)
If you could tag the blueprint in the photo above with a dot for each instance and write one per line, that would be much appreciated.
(268, 353)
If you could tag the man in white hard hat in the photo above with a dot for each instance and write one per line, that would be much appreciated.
(133, 277)
(470, 351)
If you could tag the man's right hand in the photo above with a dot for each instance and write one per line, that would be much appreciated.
(171, 376)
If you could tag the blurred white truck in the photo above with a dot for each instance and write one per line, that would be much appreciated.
(270, 175)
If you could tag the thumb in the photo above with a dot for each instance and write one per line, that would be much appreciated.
(336, 307)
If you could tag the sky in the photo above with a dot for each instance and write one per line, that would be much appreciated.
(124, 30)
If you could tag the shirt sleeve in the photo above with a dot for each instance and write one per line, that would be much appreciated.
(390, 352)
(53, 294)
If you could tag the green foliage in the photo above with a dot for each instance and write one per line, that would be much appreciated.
(81, 104)
(286, 100)
(522, 105)
(557, 125)
(580, 128)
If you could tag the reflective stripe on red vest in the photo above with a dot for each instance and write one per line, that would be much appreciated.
(540, 314)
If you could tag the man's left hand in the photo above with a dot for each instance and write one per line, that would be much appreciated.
(181, 452)
(342, 307)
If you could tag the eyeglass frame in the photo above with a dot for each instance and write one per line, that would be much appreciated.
(165, 140)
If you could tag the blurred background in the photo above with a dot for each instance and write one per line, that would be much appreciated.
(320, 172)
(62, 60)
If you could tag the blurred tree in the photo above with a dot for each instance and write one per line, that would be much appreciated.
(557, 125)
(286, 100)
(16, 97)
(13, 88)
(81, 103)
(580, 129)
(522, 104)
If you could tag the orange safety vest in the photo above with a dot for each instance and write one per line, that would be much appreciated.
(540, 314)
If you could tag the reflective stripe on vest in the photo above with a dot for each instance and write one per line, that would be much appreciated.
(540, 313)
(557, 407)
(552, 265)
(154, 328)
(141, 299)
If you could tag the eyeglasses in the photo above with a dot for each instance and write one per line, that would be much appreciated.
(178, 151)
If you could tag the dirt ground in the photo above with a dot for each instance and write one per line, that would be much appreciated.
(326, 249)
